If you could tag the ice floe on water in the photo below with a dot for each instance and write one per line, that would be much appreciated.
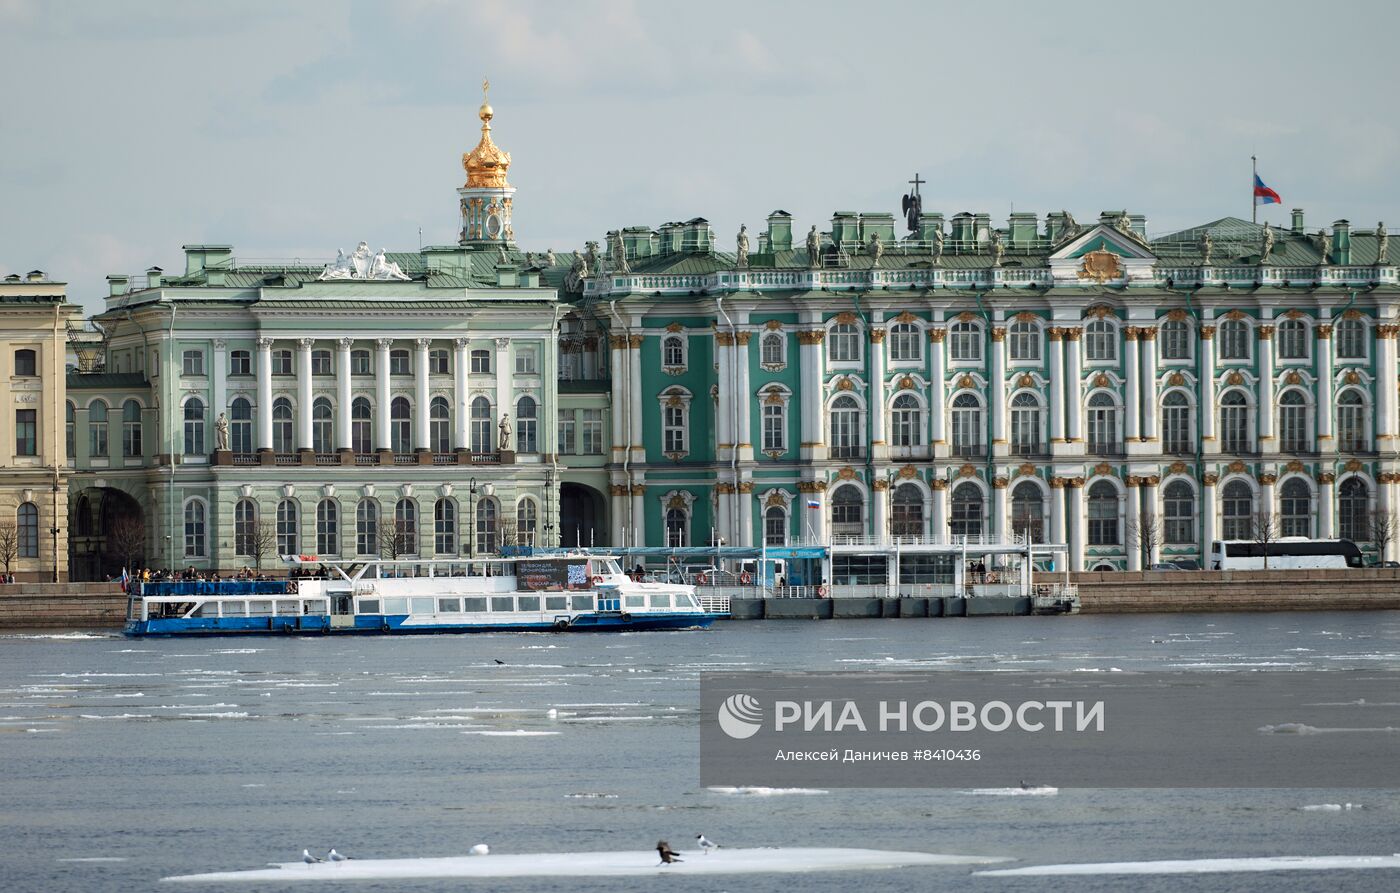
(1204, 866)
(1035, 790)
(72, 637)
(760, 791)
(797, 860)
(1330, 807)
(590, 795)
(513, 733)
(95, 859)
(1299, 728)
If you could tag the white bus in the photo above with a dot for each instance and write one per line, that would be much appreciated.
(1288, 553)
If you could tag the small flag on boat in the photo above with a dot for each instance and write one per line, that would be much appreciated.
(813, 504)
(126, 581)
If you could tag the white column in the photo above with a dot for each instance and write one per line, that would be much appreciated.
(617, 514)
(461, 393)
(638, 533)
(1132, 522)
(998, 388)
(880, 509)
(1323, 345)
(381, 393)
(1078, 523)
(264, 394)
(1385, 505)
(1266, 388)
(617, 345)
(1147, 338)
(813, 424)
(1132, 390)
(746, 522)
(725, 434)
(343, 397)
(1208, 517)
(304, 393)
(1326, 505)
(1205, 404)
(634, 352)
(1074, 385)
(1267, 500)
(421, 416)
(504, 376)
(744, 438)
(1057, 389)
(219, 374)
(999, 514)
(818, 514)
(879, 444)
(937, 371)
(1057, 511)
(724, 513)
(1386, 385)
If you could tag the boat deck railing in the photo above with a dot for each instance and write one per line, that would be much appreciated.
(221, 588)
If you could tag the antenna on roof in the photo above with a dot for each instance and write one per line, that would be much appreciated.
(420, 238)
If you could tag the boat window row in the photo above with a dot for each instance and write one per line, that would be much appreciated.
(288, 607)
(500, 604)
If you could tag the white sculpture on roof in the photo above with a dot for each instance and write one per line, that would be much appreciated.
(362, 265)
(383, 268)
(340, 268)
(1382, 245)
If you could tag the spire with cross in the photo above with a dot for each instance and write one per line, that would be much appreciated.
(913, 204)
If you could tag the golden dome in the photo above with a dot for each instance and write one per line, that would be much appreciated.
(486, 165)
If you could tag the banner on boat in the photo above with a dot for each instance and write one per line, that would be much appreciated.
(551, 574)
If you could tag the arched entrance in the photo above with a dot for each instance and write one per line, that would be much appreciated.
(583, 516)
(106, 532)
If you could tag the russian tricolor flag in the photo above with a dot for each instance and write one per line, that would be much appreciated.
(1263, 195)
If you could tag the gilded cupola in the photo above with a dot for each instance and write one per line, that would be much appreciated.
(486, 165)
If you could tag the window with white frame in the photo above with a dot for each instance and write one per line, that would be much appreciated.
(367, 527)
(240, 362)
(400, 425)
(1236, 511)
(282, 426)
(97, 428)
(1352, 434)
(322, 426)
(1028, 511)
(1178, 509)
(775, 526)
(774, 424)
(486, 526)
(673, 352)
(1351, 339)
(1024, 340)
(1101, 341)
(1292, 337)
(968, 425)
(481, 425)
(1295, 508)
(847, 511)
(906, 421)
(847, 438)
(444, 527)
(773, 351)
(439, 426)
(399, 363)
(965, 519)
(675, 426)
(192, 362)
(1178, 434)
(1103, 514)
(591, 429)
(843, 343)
(1235, 424)
(526, 426)
(245, 528)
(1175, 340)
(359, 362)
(907, 510)
(439, 361)
(677, 526)
(527, 521)
(1234, 340)
(905, 344)
(327, 527)
(287, 538)
(194, 427)
(525, 363)
(1103, 425)
(1293, 429)
(196, 529)
(965, 342)
(321, 362)
(240, 426)
(281, 362)
(405, 527)
(481, 362)
(568, 441)
(1026, 425)
(361, 421)
(132, 445)
(1354, 510)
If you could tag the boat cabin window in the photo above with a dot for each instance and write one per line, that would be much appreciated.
(369, 606)
(582, 602)
(235, 609)
(502, 603)
(260, 609)
(529, 602)
(660, 600)
(449, 605)
(206, 609)
(474, 603)
(556, 603)
(686, 601)
(313, 606)
(420, 606)
(287, 608)
(395, 606)
(636, 601)
(607, 566)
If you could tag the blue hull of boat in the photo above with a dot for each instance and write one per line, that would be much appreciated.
(395, 624)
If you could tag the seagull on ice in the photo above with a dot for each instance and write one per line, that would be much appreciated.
(310, 859)
(667, 854)
(333, 856)
(705, 843)
(480, 849)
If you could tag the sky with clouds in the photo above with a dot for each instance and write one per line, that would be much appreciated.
(292, 129)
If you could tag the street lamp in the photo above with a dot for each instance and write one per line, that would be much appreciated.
(471, 531)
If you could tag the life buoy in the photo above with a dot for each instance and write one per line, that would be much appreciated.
(597, 580)
(821, 592)
(746, 578)
(701, 579)
(291, 587)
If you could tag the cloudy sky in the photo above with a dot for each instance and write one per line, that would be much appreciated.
(291, 129)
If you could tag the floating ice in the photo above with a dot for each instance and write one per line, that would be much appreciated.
(1040, 790)
(1330, 807)
(1203, 866)
(515, 733)
(598, 864)
(95, 859)
(759, 791)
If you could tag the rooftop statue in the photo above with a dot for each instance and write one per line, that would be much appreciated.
(383, 268)
(549, 259)
(619, 254)
(1068, 228)
(875, 248)
(362, 265)
(1382, 245)
(997, 248)
(1268, 247)
(741, 247)
(340, 268)
(938, 245)
(578, 271)
(814, 247)
(590, 251)
(1325, 246)
(1207, 246)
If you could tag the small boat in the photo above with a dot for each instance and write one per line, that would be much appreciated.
(566, 592)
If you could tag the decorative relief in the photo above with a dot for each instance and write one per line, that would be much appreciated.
(1235, 377)
(1000, 483)
(772, 325)
(1099, 311)
(906, 383)
(1293, 467)
(1075, 483)
(1025, 316)
(1176, 379)
(844, 385)
(1267, 479)
(908, 472)
(1177, 315)
(1354, 465)
(1177, 468)
(811, 336)
(1058, 483)
(938, 484)
(1293, 377)
(1026, 469)
(1352, 314)
(746, 486)
(1101, 380)
(1322, 331)
(1326, 477)
(675, 327)
(906, 317)
(1352, 377)
(847, 473)
(1101, 266)
(1235, 315)
(724, 339)
(1265, 332)
(775, 500)
(1237, 466)
(1207, 332)
(1210, 479)
(1026, 380)
(998, 334)
(880, 485)
(1056, 333)
(967, 316)
(1293, 314)
(743, 338)
(967, 381)
(967, 471)
(1072, 334)
(877, 336)
(846, 318)
(1104, 469)
(1147, 333)
(937, 335)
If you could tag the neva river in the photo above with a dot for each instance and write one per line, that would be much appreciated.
(128, 761)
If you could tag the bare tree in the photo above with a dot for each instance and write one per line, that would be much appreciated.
(9, 543)
(1382, 527)
(1145, 533)
(1264, 530)
(127, 538)
(262, 542)
(506, 533)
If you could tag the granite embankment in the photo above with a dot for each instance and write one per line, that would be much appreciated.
(1160, 592)
(62, 606)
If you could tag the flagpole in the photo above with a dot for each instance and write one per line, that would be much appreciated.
(1253, 202)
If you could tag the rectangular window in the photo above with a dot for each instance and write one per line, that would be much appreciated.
(192, 362)
(240, 362)
(359, 362)
(321, 362)
(525, 361)
(26, 432)
(673, 429)
(774, 428)
(592, 432)
(398, 362)
(281, 362)
(26, 363)
(481, 362)
(567, 445)
(439, 362)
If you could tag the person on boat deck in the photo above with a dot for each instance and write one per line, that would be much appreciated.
(639, 573)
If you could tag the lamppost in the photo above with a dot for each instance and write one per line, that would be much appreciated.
(471, 531)
(54, 529)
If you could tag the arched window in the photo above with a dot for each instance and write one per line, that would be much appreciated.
(1175, 339)
(525, 426)
(367, 528)
(282, 426)
(194, 427)
(905, 344)
(288, 542)
(1293, 421)
(526, 522)
(322, 426)
(1352, 434)
(132, 445)
(1103, 514)
(361, 426)
(27, 530)
(240, 426)
(1292, 337)
(405, 528)
(1025, 341)
(1103, 425)
(400, 425)
(444, 527)
(327, 527)
(1295, 508)
(1234, 340)
(843, 343)
(97, 428)
(245, 528)
(847, 441)
(481, 426)
(773, 351)
(677, 527)
(439, 426)
(1354, 510)
(195, 529)
(847, 511)
(1236, 511)
(673, 351)
(906, 421)
(968, 425)
(1028, 511)
(26, 363)
(486, 526)
(1351, 339)
(965, 342)
(1178, 434)
(70, 429)
(775, 526)
(1235, 423)
(1025, 425)
(1100, 341)
(966, 518)
(907, 511)
(1179, 511)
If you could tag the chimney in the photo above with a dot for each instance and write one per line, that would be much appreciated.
(116, 285)
(153, 277)
(35, 276)
(780, 231)
(1298, 221)
(1341, 242)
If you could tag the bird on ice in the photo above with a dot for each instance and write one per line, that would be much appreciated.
(310, 859)
(705, 843)
(333, 856)
(667, 854)
(480, 849)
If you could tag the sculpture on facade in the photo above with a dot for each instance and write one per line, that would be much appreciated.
(1207, 246)
(1324, 245)
(938, 245)
(875, 248)
(1382, 245)
(340, 268)
(549, 259)
(741, 247)
(504, 443)
(997, 248)
(590, 252)
(1068, 228)
(362, 265)
(619, 253)
(1124, 224)
(814, 247)
(383, 268)
(578, 271)
(221, 432)
(1268, 247)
